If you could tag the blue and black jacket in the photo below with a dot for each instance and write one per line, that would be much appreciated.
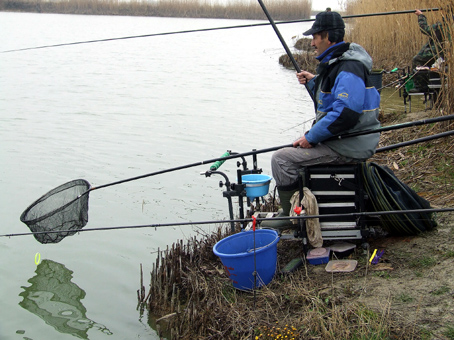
(345, 101)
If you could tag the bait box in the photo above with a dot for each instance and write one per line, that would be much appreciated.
(318, 256)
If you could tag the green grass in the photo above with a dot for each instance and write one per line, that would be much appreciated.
(423, 262)
(440, 291)
(405, 298)
(383, 274)
(449, 333)
(425, 334)
(449, 253)
(229, 293)
(419, 274)
(446, 167)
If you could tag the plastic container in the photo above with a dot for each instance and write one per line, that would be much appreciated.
(339, 266)
(318, 256)
(237, 255)
(257, 185)
(376, 79)
(342, 249)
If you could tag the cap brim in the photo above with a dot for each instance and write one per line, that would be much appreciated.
(312, 31)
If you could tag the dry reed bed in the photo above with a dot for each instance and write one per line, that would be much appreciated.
(280, 9)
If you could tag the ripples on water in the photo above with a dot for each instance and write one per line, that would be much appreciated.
(115, 110)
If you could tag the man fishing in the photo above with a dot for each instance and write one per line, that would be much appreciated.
(434, 46)
(431, 51)
(344, 102)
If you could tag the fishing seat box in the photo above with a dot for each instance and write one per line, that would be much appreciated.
(339, 190)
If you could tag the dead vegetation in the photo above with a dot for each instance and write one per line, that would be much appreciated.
(198, 301)
(281, 9)
(427, 167)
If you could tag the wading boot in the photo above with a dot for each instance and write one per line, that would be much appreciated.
(271, 223)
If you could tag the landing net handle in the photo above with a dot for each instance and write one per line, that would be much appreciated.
(71, 214)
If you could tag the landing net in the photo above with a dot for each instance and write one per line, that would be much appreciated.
(64, 208)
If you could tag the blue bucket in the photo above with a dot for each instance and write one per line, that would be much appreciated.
(237, 255)
(257, 185)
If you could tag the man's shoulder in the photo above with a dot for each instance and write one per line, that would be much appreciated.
(351, 65)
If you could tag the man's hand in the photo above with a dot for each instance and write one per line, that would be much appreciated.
(302, 142)
(304, 77)
(418, 12)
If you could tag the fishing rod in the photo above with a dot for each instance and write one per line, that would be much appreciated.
(66, 206)
(395, 127)
(245, 220)
(415, 141)
(266, 150)
(287, 50)
(210, 29)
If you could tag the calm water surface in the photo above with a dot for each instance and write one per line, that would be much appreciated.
(114, 110)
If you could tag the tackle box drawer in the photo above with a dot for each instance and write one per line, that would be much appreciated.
(338, 190)
(333, 181)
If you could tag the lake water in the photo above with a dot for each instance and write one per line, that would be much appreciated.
(114, 110)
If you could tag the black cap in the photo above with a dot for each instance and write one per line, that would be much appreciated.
(326, 21)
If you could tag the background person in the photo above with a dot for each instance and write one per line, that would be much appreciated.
(427, 55)
(434, 46)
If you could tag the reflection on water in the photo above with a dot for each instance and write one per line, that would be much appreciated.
(55, 299)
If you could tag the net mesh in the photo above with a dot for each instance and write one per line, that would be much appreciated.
(63, 211)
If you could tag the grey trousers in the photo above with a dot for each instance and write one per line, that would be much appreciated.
(286, 162)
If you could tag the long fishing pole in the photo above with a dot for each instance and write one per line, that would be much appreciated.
(223, 158)
(274, 148)
(395, 127)
(210, 29)
(74, 212)
(287, 50)
(245, 220)
(415, 141)
(256, 152)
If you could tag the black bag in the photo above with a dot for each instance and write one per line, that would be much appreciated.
(386, 193)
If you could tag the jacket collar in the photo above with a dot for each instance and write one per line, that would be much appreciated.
(333, 52)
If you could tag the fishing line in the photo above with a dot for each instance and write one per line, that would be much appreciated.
(208, 29)
(295, 126)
